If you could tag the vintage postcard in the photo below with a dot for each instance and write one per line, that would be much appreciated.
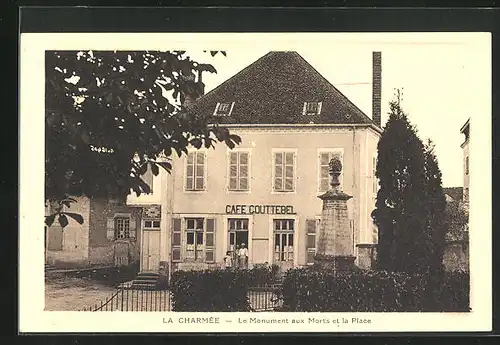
(283, 182)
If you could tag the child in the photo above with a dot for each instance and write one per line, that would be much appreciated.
(228, 260)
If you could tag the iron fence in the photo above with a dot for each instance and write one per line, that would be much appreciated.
(149, 300)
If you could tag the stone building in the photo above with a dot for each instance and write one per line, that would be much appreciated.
(109, 235)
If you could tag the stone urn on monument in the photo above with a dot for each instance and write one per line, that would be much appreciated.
(335, 239)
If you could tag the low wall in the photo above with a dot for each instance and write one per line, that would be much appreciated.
(66, 259)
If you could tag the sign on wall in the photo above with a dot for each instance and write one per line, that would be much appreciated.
(259, 209)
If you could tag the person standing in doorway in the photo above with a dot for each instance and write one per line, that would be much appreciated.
(243, 256)
(235, 253)
(228, 260)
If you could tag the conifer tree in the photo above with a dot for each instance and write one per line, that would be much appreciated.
(401, 212)
(437, 226)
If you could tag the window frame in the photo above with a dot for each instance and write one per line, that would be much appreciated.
(295, 170)
(238, 151)
(205, 172)
(287, 233)
(152, 226)
(296, 233)
(319, 105)
(217, 106)
(116, 230)
(332, 150)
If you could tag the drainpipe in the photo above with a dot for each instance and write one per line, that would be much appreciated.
(356, 198)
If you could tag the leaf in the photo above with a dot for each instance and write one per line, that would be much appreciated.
(208, 143)
(230, 144)
(66, 203)
(75, 216)
(49, 220)
(154, 168)
(144, 186)
(165, 165)
(142, 169)
(63, 221)
(235, 138)
(196, 142)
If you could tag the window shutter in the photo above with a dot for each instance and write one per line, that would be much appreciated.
(233, 170)
(210, 240)
(132, 227)
(304, 109)
(311, 228)
(176, 239)
(110, 228)
(319, 107)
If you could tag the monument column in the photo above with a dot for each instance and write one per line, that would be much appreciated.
(335, 240)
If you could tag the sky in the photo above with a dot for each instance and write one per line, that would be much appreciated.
(437, 78)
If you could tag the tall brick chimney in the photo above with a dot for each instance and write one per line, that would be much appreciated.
(376, 87)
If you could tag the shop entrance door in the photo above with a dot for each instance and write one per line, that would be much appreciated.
(284, 247)
(238, 235)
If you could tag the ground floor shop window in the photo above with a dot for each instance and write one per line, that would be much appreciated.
(193, 239)
(283, 240)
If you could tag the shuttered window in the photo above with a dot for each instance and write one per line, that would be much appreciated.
(284, 172)
(195, 171)
(311, 229)
(176, 239)
(374, 176)
(324, 175)
(210, 240)
(121, 227)
(193, 239)
(239, 171)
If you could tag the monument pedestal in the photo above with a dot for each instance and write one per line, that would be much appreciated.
(335, 241)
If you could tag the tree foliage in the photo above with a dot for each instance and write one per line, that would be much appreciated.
(104, 108)
(436, 226)
(409, 206)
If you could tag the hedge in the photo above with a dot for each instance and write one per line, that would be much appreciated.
(312, 290)
(209, 291)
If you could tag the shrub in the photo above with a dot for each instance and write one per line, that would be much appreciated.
(262, 275)
(210, 291)
(311, 290)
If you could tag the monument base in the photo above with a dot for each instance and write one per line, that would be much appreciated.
(335, 262)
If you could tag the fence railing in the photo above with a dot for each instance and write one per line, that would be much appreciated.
(148, 300)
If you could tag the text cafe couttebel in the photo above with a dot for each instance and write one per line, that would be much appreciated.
(264, 192)
(259, 209)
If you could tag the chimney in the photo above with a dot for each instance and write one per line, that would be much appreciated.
(376, 87)
(200, 80)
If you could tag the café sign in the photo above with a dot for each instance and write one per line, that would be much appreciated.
(259, 209)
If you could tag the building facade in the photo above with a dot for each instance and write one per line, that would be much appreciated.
(109, 236)
(264, 193)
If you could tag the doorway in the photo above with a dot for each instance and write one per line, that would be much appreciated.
(237, 229)
(284, 246)
(150, 258)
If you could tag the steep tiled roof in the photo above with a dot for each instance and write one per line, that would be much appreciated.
(455, 193)
(273, 89)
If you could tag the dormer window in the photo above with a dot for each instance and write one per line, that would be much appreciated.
(223, 109)
(312, 108)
